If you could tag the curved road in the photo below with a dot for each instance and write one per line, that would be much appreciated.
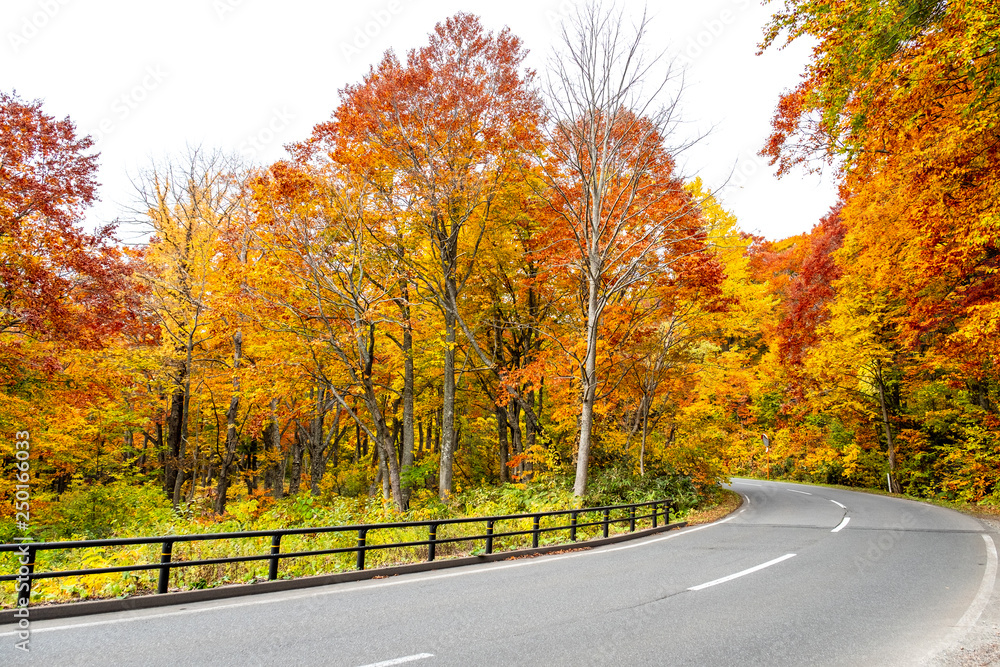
(800, 575)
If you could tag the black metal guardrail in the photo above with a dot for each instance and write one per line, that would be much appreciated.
(27, 572)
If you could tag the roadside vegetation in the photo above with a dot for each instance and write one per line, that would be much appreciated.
(143, 511)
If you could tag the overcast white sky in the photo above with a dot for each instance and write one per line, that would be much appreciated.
(248, 76)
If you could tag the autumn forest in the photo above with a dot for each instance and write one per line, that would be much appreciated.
(475, 284)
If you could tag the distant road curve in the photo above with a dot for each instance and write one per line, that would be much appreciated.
(799, 575)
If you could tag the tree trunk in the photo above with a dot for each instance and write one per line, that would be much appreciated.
(383, 473)
(501, 414)
(317, 468)
(157, 442)
(642, 447)
(406, 457)
(447, 460)
(384, 446)
(408, 419)
(172, 460)
(232, 434)
(179, 481)
(357, 443)
(252, 479)
(588, 390)
(378, 477)
(514, 426)
(298, 449)
(530, 430)
(316, 443)
(330, 443)
(890, 444)
(274, 474)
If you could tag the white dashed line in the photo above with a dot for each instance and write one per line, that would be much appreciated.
(742, 573)
(841, 525)
(838, 504)
(400, 661)
(802, 492)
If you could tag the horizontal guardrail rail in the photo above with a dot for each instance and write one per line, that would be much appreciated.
(29, 550)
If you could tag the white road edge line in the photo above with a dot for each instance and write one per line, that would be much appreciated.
(804, 493)
(400, 661)
(743, 573)
(838, 504)
(975, 609)
(658, 539)
(339, 589)
(840, 526)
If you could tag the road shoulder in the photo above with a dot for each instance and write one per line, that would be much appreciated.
(980, 644)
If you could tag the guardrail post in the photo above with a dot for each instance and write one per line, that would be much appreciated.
(24, 599)
(272, 570)
(431, 548)
(631, 519)
(655, 510)
(165, 554)
(606, 513)
(362, 537)
(489, 537)
(572, 527)
(666, 514)
(534, 531)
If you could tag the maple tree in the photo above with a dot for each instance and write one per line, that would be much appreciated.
(57, 282)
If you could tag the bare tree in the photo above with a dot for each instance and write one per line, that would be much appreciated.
(610, 176)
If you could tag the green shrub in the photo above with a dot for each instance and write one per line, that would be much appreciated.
(98, 511)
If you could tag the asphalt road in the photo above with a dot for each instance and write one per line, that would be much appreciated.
(799, 575)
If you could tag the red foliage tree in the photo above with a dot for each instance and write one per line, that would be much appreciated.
(57, 282)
